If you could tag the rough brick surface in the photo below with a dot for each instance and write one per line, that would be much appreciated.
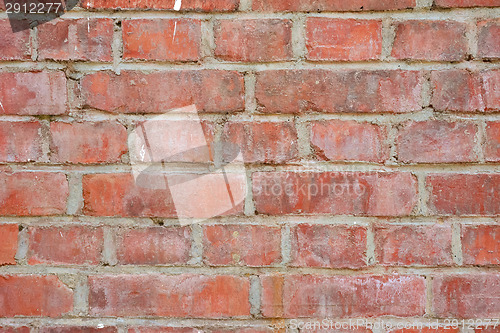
(80, 39)
(464, 296)
(379, 194)
(187, 5)
(65, 246)
(24, 146)
(247, 245)
(169, 296)
(77, 329)
(340, 140)
(450, 194)
(329, 5)
(328, 246)
(430, 40)
(33, 193)
(413, 245)
(315, 90)
(159, 92)
(35, 93)
(339, 40)
(8, 247)
(492, 149)
(253, 40)
(167, 40)
(346, 296)
(467, 3)
(153, 246)
(7, 329)
(437, 142)
(34, 295)
(480, 244)
(489, 39)
(14, 46)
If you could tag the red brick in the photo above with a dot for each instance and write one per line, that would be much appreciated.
(159, 92)
(20, 141)
(467, 296)
(489, 38)
(34, 296)
(172, 141)
(198, 296)
(34, 93)
(82, 39)
(241, 244)
(87, 142)
(153, 246)
(33, 193)
(119, 195)
(467, 3)
(407, 245)
(339, 193)
(346, 140)
(444, 329)
(317, 296)
(481, 244)
(430, 40)
(73, 329)
(194, 5)
(163, 330)
(435, 141)
(61, 246)
(22, 329)
(492, 143)
(162, 39)
(256, 40)
(14, 46)
(272, 295)
(317, 90)
(334, 246)
(267, 142)
(343, 40)
(461, 90)
(8, 246)
(491, 328)
(464, 194)
(330, 5)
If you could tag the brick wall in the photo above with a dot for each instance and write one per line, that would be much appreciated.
(347, 167)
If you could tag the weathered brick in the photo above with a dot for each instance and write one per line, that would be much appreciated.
(430, 40)
(488, 46)
(65, 246)
(407, 245)
(33, 193)
(88, 142)
(159, 92)
(33, 93)
(152, 195)
(331, 5)
(172, 141)
(81, 39)
(318, 90)
(153, 246)
(34, 296)
(467, 3)
(443, 329)
(464, 91)
(334, 246)
(492, 143)
(162, 330)
(266, 142)
(346, 140)
(14, 46)
(246, 245)
(8, 245)
(254, 40)
(481, 244)
(22, 329)
(345, 296)
(343, 40)
(435, 141)
(187, 5)
(340, 193)
(215, 296)
(464, 194)
(467, 295)
(162, 39)
(20, 141)
(77, 329)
